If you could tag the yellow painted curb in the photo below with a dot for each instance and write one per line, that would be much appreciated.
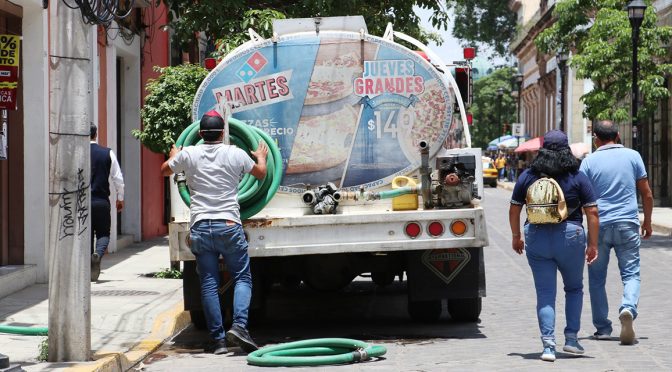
(165, 326)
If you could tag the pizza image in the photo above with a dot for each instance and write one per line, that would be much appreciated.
(332, 79)
(322, 142)
(336, 67)
(425, 120)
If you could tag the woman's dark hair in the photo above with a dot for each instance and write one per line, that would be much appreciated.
(554, 162)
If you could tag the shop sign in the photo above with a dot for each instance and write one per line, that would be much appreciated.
(9, 71)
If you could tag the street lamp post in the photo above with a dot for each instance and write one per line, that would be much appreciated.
(519, 83)
(562, 63)
(636, 9)
(500, 93)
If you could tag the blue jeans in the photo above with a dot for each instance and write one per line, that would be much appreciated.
(551, 248)
(100, 226)
(511, 174)
(209, 240)
(625, 239)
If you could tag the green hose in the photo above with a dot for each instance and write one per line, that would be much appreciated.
(253, 195)
(387, 194)
(316, 352)
(26, 331)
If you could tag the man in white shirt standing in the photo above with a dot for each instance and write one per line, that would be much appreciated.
(104, 170)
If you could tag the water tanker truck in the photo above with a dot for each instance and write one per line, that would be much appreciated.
(373, 167)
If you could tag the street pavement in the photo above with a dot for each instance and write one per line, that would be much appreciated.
(505, 339)
(133, 314)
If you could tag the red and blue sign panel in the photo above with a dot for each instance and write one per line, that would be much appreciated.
(341, 109)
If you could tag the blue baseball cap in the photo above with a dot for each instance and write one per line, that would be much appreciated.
(555, 140)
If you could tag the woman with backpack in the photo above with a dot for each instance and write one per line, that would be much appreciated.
(554, 192)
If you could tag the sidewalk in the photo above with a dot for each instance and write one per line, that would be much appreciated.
(131, 315)
(661, 218)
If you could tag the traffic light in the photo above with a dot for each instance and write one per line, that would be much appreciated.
(464, 83)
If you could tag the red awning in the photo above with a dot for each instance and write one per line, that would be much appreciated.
(532, 145)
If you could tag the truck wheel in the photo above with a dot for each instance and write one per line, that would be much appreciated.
(425, 311)
(382, 278)
(493, 184)
(198, 319)
(465, 309)
(291, 282)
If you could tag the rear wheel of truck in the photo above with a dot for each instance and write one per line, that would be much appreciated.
(465, 309)
(425, 311)
(383, 278)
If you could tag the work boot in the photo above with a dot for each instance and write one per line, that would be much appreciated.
(220, 347)
(95, 267)
(239, 336)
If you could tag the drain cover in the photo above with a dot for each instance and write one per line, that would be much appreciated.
(122, 292)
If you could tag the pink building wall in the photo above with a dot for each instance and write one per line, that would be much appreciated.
(156, 52)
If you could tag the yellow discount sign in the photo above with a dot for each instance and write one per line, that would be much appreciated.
(9, 70)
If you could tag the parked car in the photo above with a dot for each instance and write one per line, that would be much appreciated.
(489, 172)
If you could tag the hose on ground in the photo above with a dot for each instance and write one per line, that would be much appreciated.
(25, 331)
(253, 195)
(315, 352)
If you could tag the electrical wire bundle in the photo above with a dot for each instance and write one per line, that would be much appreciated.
(102, 12)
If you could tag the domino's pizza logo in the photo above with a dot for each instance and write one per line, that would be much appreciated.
(252, 66)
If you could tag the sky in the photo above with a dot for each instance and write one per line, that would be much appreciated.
(450, 50)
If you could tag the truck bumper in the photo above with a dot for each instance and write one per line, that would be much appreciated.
(352, 233)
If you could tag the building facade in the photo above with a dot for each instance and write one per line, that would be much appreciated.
(544, 101)
(122, 60)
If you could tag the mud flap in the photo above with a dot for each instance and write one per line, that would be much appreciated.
(445, 273)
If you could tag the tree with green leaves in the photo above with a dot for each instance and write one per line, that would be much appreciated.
(226, 21)
(488, 22)
(488, 113)
(598, 34)
(167, 109)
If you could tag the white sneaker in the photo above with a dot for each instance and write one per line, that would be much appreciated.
(627, 332)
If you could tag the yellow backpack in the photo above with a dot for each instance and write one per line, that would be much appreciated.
(545, 202)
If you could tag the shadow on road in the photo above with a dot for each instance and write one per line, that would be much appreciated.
(362, 311)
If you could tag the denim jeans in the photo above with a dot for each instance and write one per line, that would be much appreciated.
(100, 226)
(625, 239)
(209, 240)
(551, 248)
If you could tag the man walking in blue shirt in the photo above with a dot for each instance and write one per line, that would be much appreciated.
(617, 174)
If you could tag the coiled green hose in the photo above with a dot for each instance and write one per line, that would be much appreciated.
(253, 195)
(315, 352)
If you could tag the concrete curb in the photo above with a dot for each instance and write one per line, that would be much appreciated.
(166, 325)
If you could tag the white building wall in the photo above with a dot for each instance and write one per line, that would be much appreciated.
(35, 77)
(130, 110)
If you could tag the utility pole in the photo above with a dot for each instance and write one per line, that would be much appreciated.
(69, 177)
